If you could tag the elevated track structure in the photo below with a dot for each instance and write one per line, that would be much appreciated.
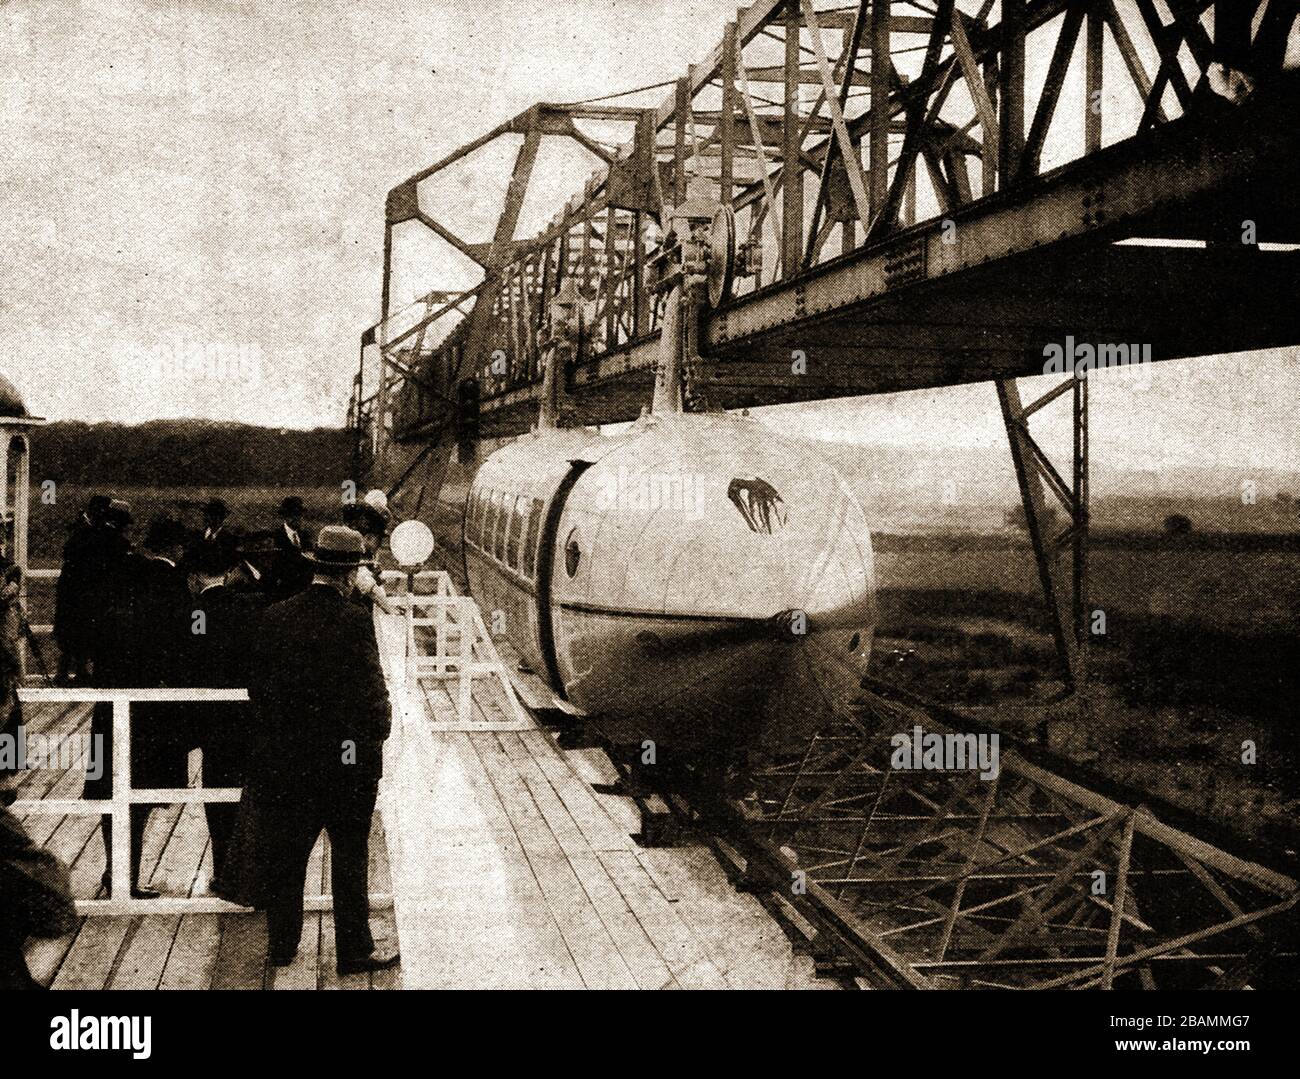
(885, 164)
(904, 196)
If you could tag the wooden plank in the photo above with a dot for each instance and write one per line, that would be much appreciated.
(70, 721)
(194, 953)
(558, 888)
(89, 963)
(241, 954)
(173, 846)
(638, 951)
(468, 906)
(145, 957)
(40, 828)
(593, 949)
(548, 850)
(77, 844)
(737, 933)
(562, 825)
(525, 817)
(685, 957)
(597, 826)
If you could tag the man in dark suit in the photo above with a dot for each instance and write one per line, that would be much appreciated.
(216, 536)
(222, 621)
(291, 572)
(139, 600)
(323, 712)
(82, 558)
(159, 598)
(157, 621)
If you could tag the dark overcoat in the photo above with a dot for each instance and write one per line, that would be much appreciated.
(322, 715)
(144, 629)
(290, 571)
(89, 555)
(219, 658)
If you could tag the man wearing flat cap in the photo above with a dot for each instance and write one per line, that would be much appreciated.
(323, 715)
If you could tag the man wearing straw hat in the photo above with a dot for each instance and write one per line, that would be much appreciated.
(323, 716)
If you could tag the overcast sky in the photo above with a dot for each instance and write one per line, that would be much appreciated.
(211, 175)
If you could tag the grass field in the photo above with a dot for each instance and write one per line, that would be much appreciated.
(1200, 657)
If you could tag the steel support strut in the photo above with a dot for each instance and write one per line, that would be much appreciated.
(1064, 585)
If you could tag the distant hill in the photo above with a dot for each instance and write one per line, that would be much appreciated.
(189, 453)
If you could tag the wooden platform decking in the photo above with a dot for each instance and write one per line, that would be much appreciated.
(191, 951)
(509, 871)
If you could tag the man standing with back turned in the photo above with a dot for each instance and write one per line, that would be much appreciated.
(323, 709)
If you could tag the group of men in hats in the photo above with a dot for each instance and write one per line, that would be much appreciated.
(185, 609)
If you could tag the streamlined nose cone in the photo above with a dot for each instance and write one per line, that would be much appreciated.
(748, 592)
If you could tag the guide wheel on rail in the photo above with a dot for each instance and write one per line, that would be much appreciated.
(722, 255)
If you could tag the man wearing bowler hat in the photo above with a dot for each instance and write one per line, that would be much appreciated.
(323, 716)
(216, 536)
(290, 570)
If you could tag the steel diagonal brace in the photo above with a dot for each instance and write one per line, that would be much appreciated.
(1037, 911)
(1174, 945)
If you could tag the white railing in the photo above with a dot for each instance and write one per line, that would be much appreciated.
(462, 651)
(118, 807)
(463, 648)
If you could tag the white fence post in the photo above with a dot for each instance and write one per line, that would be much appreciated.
(440, 616)
(465, 624)
(120, 869)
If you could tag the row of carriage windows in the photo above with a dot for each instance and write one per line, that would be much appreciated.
(505, 527)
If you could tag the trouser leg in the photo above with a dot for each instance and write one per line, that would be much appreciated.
(139, 817)
(102, 787)
(284, 905)
(221, 816)
(349, 832)
(221, 768)
(221, 826)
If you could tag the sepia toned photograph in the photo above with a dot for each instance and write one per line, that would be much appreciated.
(649, 494)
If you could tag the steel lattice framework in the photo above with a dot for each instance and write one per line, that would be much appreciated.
(870, 150)
(942, 879)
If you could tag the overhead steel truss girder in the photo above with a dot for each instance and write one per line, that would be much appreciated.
(857, 147)
(1041, 257)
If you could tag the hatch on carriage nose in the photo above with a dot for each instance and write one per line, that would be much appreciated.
(759, 504)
